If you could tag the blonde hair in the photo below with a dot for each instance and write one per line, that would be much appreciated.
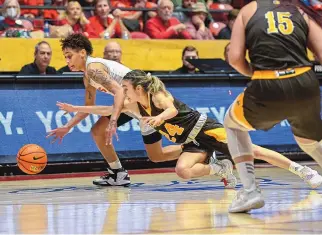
(151, 84)
(5, 5)
(82, 19)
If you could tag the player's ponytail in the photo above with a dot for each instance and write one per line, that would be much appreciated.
(156, 85)
(151, 84)
(314, 15)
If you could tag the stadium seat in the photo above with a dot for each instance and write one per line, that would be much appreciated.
(220, 16)
(216, 27)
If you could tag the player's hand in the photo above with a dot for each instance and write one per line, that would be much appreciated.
(58, 133)
(110, 132)
(66, 107)
(152, 121)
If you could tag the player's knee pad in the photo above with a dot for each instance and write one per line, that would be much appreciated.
(239, 142)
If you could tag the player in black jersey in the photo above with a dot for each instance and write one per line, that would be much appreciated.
(276, 35)
(198, 135)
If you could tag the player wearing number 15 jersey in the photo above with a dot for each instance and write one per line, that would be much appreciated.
(276, 35)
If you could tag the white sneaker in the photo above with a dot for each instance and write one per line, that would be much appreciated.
(114, 177)
(229, 179)
(311, 177)
(246, 200)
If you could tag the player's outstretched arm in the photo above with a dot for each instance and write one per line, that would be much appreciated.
(60, 132)
(97, 109)
(165, 102)
(90, 98)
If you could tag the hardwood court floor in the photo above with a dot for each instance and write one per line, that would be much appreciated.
(157, 203)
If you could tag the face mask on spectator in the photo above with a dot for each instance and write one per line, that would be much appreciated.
(12, 12)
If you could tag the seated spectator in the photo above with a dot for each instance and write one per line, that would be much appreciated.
(164, 26)
(132, 18)
(31, 13)
(113, 51)
(52, 14)
(188, 52)
(11, 14)
(225, 33)
(105, 24)
(77, 20)
(196, 24)
(183, 16)
(41, 63)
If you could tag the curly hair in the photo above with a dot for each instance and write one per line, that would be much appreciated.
(77, 41)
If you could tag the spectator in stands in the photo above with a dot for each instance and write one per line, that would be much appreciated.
(196, 24)
(53, 14)
(182, 16)
(164, 26)
(189, 52)
(113, 51)
(77, 20)
(105, 24)
(227, 47)
(41, 63)
(132, 19)
(31, 13)
(11, 14)
(225, 33)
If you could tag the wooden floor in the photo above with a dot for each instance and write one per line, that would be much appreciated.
(157, 203)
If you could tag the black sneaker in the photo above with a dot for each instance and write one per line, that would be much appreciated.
(114, 177)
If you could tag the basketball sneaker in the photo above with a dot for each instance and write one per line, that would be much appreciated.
(247, 200)
(226, 172)
(114, 177)
(311, 177)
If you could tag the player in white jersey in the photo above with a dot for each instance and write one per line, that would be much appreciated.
(106, 76)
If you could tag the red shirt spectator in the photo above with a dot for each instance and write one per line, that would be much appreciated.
(97, 23)
(85, 29)
(164, 26)
(157, 29)
(133, 15)
(53, 14)
(11, 13)
(77, 20)
(103, 22)
(31, 13)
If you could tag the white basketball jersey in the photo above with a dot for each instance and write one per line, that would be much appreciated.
(116, 71)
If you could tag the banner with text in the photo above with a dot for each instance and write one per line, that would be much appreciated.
(27, 115)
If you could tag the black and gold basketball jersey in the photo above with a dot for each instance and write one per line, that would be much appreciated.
(276, 37)
(178, 128)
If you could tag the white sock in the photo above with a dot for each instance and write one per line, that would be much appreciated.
(295, 168)
(115, 165)
(246, 174)
(214, 169)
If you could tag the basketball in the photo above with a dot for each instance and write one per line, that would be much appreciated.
(32, 159)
